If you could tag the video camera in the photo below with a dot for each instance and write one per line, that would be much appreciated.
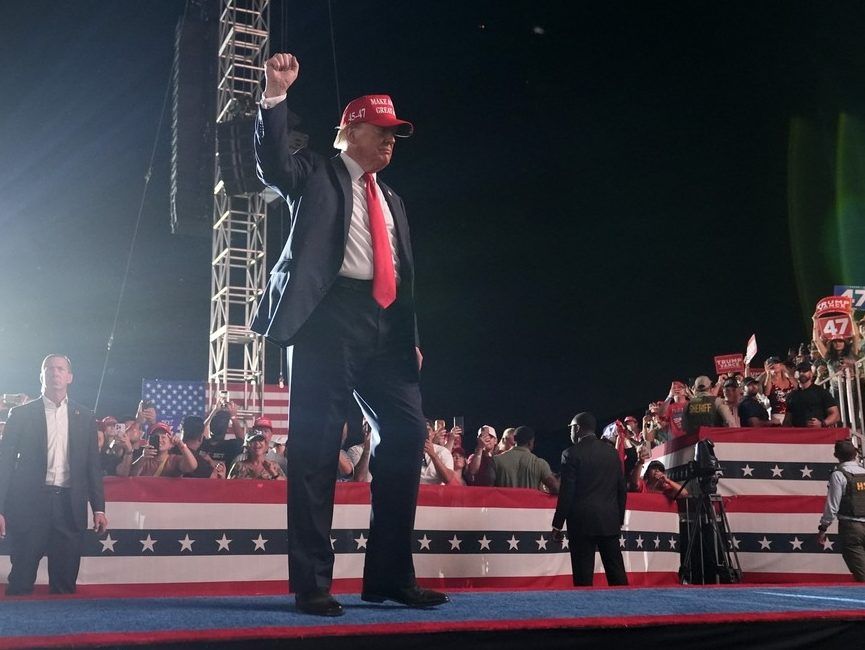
(705, 466)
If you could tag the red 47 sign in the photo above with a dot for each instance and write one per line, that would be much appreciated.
(831, 327)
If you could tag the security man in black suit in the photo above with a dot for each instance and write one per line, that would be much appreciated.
(49, 471)
(341, 300)
(592, 503)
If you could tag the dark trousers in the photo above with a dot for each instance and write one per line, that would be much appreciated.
(583, 558)
(49, 531)
(352, 345)
(852, 535)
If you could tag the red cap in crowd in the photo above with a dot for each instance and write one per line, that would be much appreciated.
(160, 426)
(377, 110)
(263, 423)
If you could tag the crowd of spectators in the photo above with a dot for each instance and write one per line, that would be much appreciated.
(788, 391)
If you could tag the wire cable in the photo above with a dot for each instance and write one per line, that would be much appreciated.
(147, 177)
(333, 53)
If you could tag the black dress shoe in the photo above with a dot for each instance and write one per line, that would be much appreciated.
(318, 603)
(412, 596)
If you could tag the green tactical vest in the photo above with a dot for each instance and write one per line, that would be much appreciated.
(853, 500)
(702, 412)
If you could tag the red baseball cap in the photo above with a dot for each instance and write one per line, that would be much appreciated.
(160, 426)
(263, 422)
(377, 110)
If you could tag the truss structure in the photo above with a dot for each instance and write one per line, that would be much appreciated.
(239, 221)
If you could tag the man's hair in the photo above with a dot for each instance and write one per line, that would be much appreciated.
(523, 436)
(340, 141)
(193, 427)
(845, 450)
(58, 356)
(219, 423)
(586, 422)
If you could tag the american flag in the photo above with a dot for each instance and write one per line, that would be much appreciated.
(191, 533)
(175, 399)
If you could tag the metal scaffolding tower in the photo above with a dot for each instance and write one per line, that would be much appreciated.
(239, 220)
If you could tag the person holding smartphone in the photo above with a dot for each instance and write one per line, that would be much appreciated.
(156, 460)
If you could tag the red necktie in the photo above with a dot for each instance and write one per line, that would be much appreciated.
(383, 276)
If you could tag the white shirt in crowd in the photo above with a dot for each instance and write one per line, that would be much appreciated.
(428, 473)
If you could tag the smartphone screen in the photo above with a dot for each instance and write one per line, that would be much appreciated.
(459, 421)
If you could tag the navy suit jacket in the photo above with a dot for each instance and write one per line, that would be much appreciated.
(593, 493)
(24, 463)
(318, 192)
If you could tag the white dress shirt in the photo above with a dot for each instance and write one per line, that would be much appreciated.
(357, 262)
(57, 425)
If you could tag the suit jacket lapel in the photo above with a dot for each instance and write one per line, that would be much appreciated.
(400, 223)
(345, 184)
(40, 431)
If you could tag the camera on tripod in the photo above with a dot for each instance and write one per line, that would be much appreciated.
(705, 468)
(709, 554)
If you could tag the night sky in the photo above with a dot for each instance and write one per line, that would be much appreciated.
(598, 193)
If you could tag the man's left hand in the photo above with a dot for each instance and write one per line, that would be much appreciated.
(814, 423)
(100, 523)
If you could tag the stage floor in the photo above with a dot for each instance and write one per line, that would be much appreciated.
(222, 621)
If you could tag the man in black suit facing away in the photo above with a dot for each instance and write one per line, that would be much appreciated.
(341, 300)
(49, 470)
(592, 503)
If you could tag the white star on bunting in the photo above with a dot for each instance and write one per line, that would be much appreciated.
(776, 471)
(484, 542)
(360, 541)
(806, 472)
(332, 543)
(672, 543)
(657, 541)
(827, 544)
(747, 470)
(622, 541)
(513, 543)
(259, 543)
(223, 543)
(796, 543)
(147, 543)
(765, 544)
(639, 541)
(565, 543)
(108, 543)
(186, 543)
(541, 542)
(424, 543)
(455, 543)
(735, 543)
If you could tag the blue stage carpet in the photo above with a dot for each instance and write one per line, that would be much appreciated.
(73, 621)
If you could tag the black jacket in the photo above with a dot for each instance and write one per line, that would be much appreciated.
(593, 492)
(24, 463)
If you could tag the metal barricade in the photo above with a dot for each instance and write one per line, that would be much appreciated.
(846, 386)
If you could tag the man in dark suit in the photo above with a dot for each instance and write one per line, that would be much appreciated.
(592, 503)
(49, 471)
(341, 300)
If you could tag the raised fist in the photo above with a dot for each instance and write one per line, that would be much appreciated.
(280, 71)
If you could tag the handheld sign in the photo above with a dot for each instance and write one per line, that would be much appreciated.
(728, 364)
(856, 295)
(834, 305)
(751, 349)
(834, 327)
